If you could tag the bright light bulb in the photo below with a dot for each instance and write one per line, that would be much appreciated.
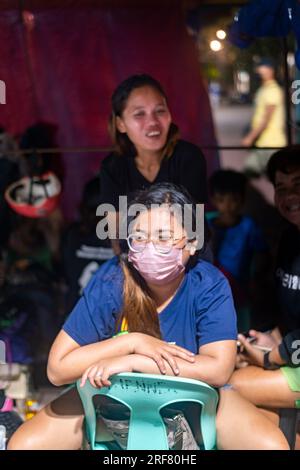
(215, 45)
(221, 34)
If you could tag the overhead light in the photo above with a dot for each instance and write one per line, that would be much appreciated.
(215, 45)
(221, 34)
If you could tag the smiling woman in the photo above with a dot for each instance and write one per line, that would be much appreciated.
(147, 145)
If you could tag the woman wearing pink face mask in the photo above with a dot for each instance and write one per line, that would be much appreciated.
(180, 320)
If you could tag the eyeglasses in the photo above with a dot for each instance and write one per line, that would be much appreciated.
(137, 243)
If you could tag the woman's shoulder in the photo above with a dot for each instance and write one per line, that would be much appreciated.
(109, 270)
(108, 275)
(206, 275)
(188, 155)
(114, 162)
(188, 149)
(209, 287)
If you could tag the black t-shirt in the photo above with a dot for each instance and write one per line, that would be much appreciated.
(288, 347)
(186, 167)
(288, 280)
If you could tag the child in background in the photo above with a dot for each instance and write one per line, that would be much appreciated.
(238, 243)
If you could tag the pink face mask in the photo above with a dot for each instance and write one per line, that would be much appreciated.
(156, 267)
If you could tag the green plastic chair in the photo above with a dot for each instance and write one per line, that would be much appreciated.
(146, 395)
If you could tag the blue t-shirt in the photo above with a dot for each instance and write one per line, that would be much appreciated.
(201, 311)
(235, 246)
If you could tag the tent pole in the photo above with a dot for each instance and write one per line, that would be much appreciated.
(287, 92)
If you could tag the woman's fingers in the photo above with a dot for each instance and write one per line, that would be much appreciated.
(167, 354)
(245, 343)
(263, 339)
(92, 375)
(242, 339)
(254, 333)
(160, 362)
(250, 353)
(84, 377)
(164, 357)
(171, 361)
(97, 381)
(246, 346)
(104, 378)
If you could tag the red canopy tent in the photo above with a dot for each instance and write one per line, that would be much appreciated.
(61, 60)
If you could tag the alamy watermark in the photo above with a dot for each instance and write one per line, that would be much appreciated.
(2, 352)
(296, 354)
(2, 92)
(120, 223)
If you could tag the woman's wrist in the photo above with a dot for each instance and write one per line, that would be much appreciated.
(267, 363)
(134, 340)
(125, 343)
(144, 364)
(275, 358)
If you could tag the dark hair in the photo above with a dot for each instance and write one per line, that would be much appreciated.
(228, 182)
(285, 160)
(139, 309)
(266, 62)
(123, 144)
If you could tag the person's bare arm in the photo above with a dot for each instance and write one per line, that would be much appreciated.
(214, 365)
(252, 355)
(68, 360)
(270, 339)
(253, 135)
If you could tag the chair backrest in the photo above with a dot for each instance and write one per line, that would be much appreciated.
(146, 395)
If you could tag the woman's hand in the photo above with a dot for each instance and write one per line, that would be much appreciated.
(266, 340)
(249, 354)
(98, 374)
(247, 141)
(160, 351)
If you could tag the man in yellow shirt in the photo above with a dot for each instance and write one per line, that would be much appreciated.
(268, 121)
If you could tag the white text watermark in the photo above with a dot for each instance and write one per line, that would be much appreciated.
(2, 92)
(296, 354)
(2, 352)
(120, 223)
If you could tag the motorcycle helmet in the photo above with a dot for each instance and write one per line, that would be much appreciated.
(35, 196)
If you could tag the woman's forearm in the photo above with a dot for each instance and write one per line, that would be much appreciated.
(205, 368)
(70, 367)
